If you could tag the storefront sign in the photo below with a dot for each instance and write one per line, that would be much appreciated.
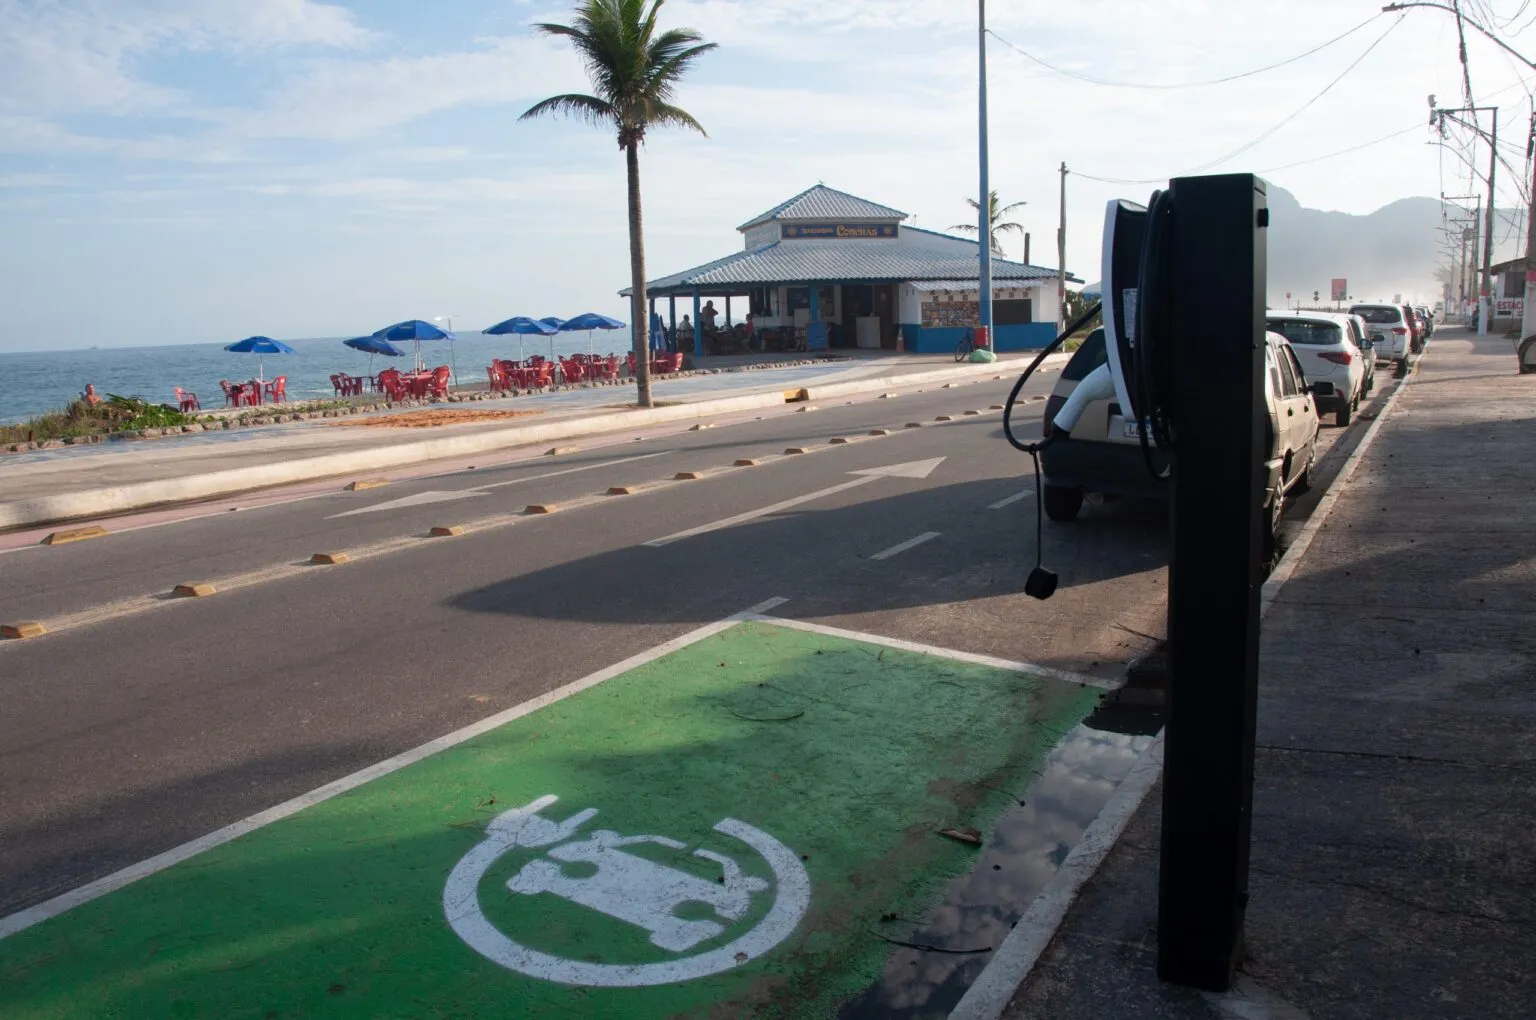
(850, 231)
(1509, 306)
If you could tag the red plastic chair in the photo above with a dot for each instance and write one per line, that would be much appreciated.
(341, 384)
(390, 382)
(187, 401)
(439, 381)
(277, 389)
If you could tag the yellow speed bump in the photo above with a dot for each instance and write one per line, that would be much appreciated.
(366, 483)
(622, 490)
(76, 535)
(194, 590)
(561, 451)
(795, 396)
(446, 531)
(25, 629)
(540, 508)
(746, 462)
(330, 559)
(688, 476)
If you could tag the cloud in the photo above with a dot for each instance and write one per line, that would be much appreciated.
(353, 99)
(74, 56)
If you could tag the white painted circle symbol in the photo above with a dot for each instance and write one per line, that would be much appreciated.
(525, 828)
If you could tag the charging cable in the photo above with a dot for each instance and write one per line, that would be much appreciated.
(1042, 582)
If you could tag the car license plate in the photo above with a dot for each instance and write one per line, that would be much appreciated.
(1133, 429)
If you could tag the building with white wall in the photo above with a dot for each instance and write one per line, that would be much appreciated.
(830, 269)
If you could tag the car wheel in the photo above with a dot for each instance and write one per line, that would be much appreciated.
(1303, 482)
(1062, 503)
(1345, 414)
(1370, 383)
(1272, 528)
(1401, 371)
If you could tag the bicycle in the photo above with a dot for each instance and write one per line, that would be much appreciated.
(966, 345)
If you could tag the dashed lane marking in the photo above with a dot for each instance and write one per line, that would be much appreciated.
(911, 543)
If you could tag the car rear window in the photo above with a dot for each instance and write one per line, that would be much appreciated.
(1086, 358)
(1380, 314)
(1299, 331)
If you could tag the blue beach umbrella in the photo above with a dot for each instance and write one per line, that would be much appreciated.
(521, 326)
(371, 345)
(259, 346)
(588, 322)
(414, 330)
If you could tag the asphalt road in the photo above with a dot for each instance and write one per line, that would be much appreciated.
(141, 722)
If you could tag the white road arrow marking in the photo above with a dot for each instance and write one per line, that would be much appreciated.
(913, 469)
(418, 499)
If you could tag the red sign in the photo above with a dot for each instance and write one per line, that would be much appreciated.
(1340, 288)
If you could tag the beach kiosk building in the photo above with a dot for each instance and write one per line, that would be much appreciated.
(850, 272)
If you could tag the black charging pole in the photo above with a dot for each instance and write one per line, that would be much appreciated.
(1215, 273)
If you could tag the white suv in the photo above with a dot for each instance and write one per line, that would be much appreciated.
(1333, 364)
(1392, 332)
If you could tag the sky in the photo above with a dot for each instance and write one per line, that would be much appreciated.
(180, 171)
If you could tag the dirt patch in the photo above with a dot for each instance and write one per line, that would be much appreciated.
(432, 419)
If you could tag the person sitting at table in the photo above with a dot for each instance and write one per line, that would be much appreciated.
(708, 316)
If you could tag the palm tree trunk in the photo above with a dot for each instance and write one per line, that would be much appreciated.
(638, 317)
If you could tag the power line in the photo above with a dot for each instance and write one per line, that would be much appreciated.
(1090, 79)
(1290, 117)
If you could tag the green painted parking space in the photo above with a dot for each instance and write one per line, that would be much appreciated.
(717, 832)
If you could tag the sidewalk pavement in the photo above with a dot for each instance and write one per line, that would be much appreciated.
(1393, 865)
(79, 481)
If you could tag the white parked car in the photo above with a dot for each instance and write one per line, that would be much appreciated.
(1391, 330)
(1359, 333)
(1333, 365)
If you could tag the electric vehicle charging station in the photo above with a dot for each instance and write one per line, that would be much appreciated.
(1196, 383)
(1184, 318)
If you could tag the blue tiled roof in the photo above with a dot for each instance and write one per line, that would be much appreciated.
(834, 261)
(824, 203)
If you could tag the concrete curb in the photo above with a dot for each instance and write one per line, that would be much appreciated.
(1014, 960)
(138, 495)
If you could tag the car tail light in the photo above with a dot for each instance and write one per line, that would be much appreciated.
(1400, 330)
(1337, 357)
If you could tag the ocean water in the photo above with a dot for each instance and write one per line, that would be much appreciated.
(37, 382)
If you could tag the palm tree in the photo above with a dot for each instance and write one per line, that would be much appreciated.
(634, 70)
(999, 227)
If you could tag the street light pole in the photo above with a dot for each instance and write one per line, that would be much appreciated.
(984, 228)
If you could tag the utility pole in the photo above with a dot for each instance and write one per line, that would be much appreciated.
(1528, 312)
(1464, 270)
(985, 227)
(1061, 255)
(1437, 118)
